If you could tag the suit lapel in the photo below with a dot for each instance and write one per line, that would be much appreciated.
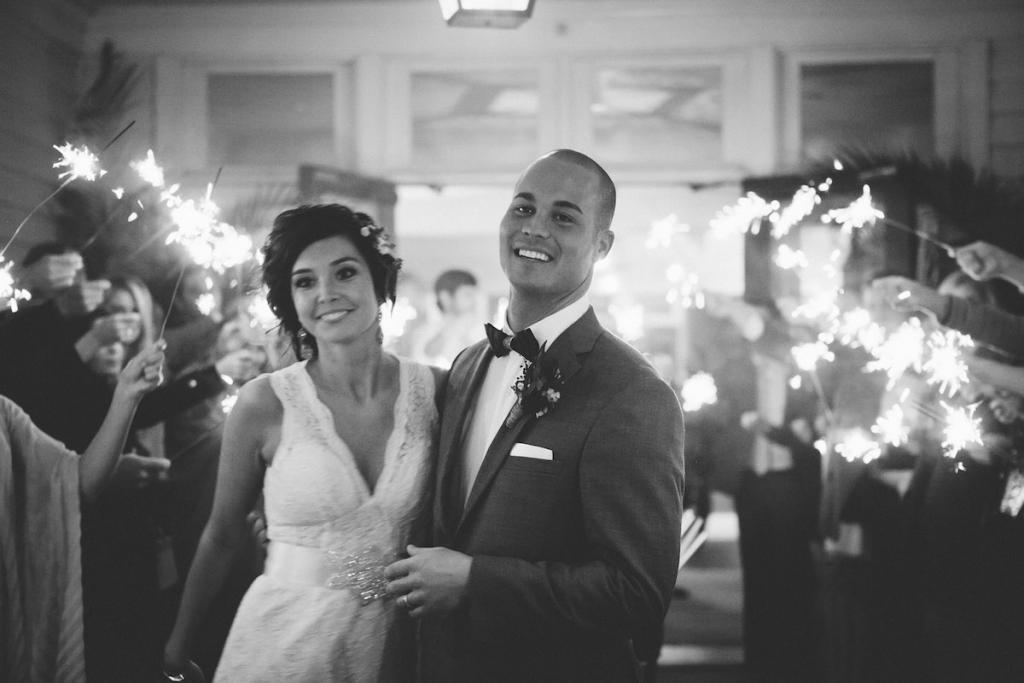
(463, 385)
(576, 341)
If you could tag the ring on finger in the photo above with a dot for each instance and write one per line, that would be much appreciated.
(403, 601)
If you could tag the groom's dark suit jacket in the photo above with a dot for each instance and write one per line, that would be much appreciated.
(574, 558)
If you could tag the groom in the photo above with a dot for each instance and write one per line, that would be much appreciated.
(559, 486)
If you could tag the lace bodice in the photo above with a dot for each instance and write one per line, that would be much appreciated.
(314, 494)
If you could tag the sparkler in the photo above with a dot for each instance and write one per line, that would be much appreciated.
(807, 356)
(856, 445)
(80, 163)
(686, 288)
(891, 427)
(662, 231)
(945, 365)
(395, 317)
(901, 351)
(862, 212)
(698, 390)
(259, 312)
(629, 320)
(799, 208)
(10, 295)
(788, 258)
(228, 403)
(149, 170)
(822, 306)
(962, 429)
(745, 215)
(856, 215)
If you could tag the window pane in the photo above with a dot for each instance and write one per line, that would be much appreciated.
(880, 107)
(271, 119)
(661, 116)
(474, 119)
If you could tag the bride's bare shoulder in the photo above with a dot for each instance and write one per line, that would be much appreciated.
(257, 400)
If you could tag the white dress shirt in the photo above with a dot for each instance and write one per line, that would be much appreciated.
(497, 396)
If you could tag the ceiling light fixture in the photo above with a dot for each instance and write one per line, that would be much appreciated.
(486, 13)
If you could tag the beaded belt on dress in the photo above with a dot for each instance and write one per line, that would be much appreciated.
(361, 573)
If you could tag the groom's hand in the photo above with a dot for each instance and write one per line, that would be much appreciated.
(430, 581)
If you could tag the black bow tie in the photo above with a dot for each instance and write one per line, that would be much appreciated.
(523, 342)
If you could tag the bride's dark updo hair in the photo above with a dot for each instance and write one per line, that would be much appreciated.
(294, 230)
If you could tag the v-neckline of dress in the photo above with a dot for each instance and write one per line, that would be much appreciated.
(335, 440)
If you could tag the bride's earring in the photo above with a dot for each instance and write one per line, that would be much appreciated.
(380, 330)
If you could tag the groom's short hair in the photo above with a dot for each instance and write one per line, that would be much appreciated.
(605, 185)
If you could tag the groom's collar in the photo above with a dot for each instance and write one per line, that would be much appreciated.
(548, 329)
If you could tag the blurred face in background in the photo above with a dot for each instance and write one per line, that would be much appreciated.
(463, 301)
(108, 360)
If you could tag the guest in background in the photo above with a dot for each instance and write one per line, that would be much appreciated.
(776, 504)
(66, 388)
(41, 482)
(457, 296)
(964, 531)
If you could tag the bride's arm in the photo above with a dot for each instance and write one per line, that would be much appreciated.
(249, 432)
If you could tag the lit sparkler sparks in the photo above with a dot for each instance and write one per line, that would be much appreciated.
(662, 231)
(206, 303)
(856, 215)
(901, 351)
(228, 402)
(807, 356)
(259, 312)
(788, 258)
(945, 365)
(79, 162)
(854, 328)
(210, 243)
(743, 216)
(821, 306)
(149, 170)
(10, 295)
(962, 429)
(629, 320)
(394, 318)
(686, 290)
(801, 206)
(857, 445)
(698, 390)
(891, 427)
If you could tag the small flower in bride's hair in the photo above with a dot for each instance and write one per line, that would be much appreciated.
(381, 241)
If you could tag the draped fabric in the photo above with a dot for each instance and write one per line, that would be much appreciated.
(40, 560)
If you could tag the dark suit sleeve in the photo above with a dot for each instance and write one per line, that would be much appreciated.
(177, 395)
(631, 490)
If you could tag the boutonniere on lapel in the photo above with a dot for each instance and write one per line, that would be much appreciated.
(537, 388)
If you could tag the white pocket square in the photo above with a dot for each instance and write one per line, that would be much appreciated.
(525, 450)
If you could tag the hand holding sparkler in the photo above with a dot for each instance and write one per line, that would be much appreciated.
(905, 294)
(999, 375)
(984, 261)
(51, 273)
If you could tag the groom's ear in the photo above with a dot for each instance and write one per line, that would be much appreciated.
(605, 240)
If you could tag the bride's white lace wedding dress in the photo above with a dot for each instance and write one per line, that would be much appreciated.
(319, 613)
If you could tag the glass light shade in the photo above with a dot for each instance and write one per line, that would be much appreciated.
(486, 13)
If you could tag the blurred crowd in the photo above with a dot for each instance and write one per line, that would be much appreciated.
(874, 545)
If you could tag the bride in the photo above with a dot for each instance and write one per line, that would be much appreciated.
(341, 446)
